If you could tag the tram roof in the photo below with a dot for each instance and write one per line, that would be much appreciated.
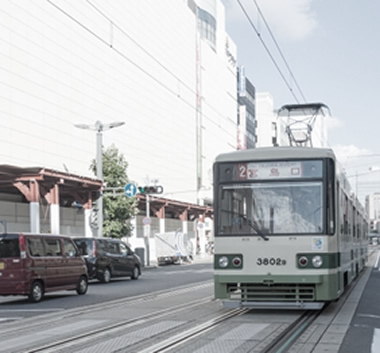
(269, 153)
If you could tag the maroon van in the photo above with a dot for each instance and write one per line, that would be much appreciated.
(34, 264)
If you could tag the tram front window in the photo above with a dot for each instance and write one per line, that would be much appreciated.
(271, 208)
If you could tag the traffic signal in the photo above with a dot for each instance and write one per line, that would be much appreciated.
(157, 189)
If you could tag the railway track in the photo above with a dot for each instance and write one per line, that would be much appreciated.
(98, 334)
(34, 328)
(52, 318)
(189, 326)
(112, 338)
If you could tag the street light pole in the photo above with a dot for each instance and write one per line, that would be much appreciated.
(99, 175)
(99, 127)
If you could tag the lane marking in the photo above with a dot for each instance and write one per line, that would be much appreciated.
(377, 261)
(375, 347)
(29, 310)
(7, 319)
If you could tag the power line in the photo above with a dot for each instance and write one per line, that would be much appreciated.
(141, 68)
(138, 44)
(279, 49)
(153, 57)
(268, 51)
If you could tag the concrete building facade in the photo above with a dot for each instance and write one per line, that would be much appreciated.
(167, 69)
(372, 205)
(267, 124)
(247, 136)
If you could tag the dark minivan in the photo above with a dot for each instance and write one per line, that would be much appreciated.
(108, 257)
(34, 264)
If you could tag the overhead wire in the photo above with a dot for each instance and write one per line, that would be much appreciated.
(279, 49)
(139, 66)
(268, 50)
(272, 56)
(284, 60)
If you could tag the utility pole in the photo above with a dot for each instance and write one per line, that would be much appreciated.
(147, 230)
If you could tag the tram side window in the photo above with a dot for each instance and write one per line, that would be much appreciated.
(232, 204)
(341, 207)
(357, 220)
(350, 219)
(331, 197)
(345, 215)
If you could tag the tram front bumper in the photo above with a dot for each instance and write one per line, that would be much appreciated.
(279, 288)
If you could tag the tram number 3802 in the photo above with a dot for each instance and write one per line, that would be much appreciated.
(270, 262)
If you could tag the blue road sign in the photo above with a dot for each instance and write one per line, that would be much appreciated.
(130, 190)
(147, 221)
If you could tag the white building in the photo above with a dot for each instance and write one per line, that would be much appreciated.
(372, 204)
(144, 63)
(267, 125)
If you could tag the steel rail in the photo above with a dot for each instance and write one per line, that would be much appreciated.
(192, 333)
(32, 323)
(109, 329)
(286, 339)
(289, 336)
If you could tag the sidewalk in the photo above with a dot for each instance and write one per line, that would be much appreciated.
(363, 334)
(197, 259)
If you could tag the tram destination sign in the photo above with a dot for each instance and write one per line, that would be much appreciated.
(278, 170)
(271, 170)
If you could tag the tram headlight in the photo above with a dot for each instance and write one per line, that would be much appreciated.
(317, 261)
(303, 261)
(223, 261)
(236, 261)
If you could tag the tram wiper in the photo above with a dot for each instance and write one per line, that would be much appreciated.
(254, 227)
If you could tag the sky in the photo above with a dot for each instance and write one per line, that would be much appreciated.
(333, 51)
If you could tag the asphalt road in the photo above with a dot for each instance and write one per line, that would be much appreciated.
(151, 280)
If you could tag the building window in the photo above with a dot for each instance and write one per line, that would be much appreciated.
(207, 26)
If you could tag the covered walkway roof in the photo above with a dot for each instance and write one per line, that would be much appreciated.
(16, 180)
(36, 183)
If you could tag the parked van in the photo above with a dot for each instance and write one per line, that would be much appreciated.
(34, 264)
(109, 257)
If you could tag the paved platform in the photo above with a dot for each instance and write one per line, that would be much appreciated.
(356, 327)
(197, 259)
(363, 334)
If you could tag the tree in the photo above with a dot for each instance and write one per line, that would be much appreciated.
(117, 209)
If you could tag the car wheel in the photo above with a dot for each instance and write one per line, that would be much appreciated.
(135, 273)
(36, 292)
(82, 285)
(106, 276)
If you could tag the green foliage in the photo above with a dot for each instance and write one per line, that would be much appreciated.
(118, 209)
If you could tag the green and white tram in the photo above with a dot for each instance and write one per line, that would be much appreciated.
(288, 231)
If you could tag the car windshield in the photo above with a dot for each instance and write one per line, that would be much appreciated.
(271, 208)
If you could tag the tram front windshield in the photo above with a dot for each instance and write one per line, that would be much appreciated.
(271, 208)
